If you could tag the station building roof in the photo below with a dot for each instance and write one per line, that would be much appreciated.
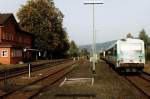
(4, 18)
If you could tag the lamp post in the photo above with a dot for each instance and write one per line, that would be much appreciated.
(94, 38)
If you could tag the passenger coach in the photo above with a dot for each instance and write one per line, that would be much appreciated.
(127, 55)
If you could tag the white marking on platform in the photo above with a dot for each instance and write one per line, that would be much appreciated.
(92, 81)
(77, 81)
(62, 82)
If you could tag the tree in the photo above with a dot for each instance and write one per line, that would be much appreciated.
(44, 20)
(129, 35)
(73, 51)
(84, 52)
(143, 36)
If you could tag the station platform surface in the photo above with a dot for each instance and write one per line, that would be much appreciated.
(81, 83)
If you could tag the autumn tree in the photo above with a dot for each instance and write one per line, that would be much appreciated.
(44, 20)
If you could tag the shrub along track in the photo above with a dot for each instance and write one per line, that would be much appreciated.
(141, 81)
(24, 87)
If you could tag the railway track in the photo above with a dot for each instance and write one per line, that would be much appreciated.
(33, 87)
(142, 82)
(9, 73)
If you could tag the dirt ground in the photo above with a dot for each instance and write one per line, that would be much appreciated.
(107, 84)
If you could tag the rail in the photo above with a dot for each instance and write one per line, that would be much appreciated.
(56, 73)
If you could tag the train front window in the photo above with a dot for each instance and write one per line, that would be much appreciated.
(131, 47)
(131, 51)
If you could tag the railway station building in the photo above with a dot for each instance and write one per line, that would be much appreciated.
(13, 40)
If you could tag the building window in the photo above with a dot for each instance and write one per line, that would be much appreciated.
(7, 36)
(20, 39)
(16, 53)
(4, 35)
(12, 38)
(4, 53)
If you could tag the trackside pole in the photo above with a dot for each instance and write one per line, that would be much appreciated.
(5, 78)
(93, 67)
(29, 70)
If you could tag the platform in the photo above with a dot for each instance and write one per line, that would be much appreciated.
(107, 85)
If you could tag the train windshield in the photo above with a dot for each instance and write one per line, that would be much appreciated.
(131, 51)
(131, 47)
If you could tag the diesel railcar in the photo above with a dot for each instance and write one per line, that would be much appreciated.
(126, 55)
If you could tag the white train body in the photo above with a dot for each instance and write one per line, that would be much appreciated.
(126, 54)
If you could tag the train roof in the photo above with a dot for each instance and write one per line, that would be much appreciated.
(128, 40)
(103, 46)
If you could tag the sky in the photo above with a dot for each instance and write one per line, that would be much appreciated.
(113, 20)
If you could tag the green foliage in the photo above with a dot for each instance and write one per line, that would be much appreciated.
(143, 36)
(44, 20)
(73, 51)
(147, 51)
(84, 52)
(129, 35)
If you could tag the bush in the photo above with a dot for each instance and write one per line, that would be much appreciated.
(148, 55)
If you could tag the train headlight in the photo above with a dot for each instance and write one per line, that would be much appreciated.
(140, 56)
